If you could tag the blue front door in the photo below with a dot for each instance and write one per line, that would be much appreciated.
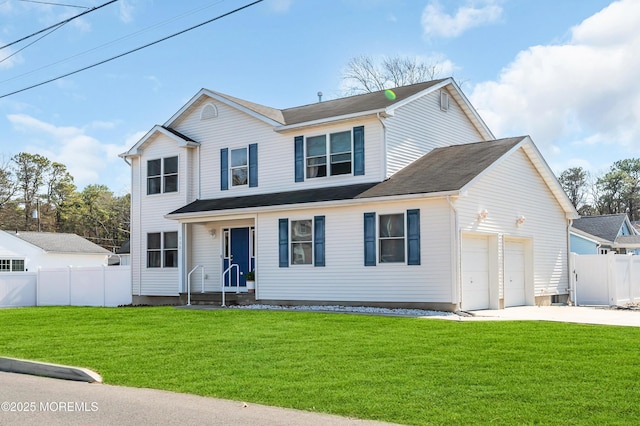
(237, 252)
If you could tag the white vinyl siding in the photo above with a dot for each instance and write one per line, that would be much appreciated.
(420, 126)
(233, 128)
(344, 277)
(513, 188)
(147, 216)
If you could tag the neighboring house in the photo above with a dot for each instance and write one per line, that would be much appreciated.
(26, 251)
(402, 199)
(122, 255)
(603, 234)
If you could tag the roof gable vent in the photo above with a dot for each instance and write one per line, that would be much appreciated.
(444, 101)
(208, 111)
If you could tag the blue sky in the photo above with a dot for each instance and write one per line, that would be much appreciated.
(563, 71)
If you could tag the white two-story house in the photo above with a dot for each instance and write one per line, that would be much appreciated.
(400, 197)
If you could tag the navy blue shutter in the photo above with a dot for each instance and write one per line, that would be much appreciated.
(283, 242)
(318, 241)
(369, 239)
(358, 151)
(413, 240)
(253, 164)
(224, 169)
(299, 158)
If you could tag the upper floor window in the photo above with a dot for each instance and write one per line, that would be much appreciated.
(239, 167)
(337, 158)
(162, 250)
(162, 175)
(333, 154)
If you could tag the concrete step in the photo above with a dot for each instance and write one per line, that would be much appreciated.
(215, 298)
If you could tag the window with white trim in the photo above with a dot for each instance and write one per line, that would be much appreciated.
(162, 175)
(337, 161)
(391, 238)
(11, 265)
(239, 167)
(162, 250)
(301, 242)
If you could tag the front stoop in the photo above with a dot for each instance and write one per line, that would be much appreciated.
(215, 298)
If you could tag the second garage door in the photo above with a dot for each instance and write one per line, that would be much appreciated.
(514, 273)
(475, 273)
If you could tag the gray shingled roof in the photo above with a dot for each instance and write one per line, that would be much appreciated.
(303, 196)
(60, 243)
(352, 104)
(443, 169)
(333, 108)
(604, 226)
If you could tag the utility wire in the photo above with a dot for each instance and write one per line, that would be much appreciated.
(54, 4)
(59, 23)
(176, 18)
(133, 50)
(33, 42)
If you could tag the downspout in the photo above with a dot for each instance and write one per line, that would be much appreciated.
(571, 270)
(199, 184)
(139, 221)
(455, 256)
(384, 146)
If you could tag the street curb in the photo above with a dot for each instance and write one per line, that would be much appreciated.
(55, 371)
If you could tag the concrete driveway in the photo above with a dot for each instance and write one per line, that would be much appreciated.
(31, 400)
(573, 314)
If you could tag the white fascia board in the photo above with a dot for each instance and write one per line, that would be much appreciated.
(247, 213)
(460, 97)
(208, 93)
(322, 121)
(541, 167)
(586, 236)
(136, 150)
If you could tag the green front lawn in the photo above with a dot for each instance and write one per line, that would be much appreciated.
(402, 370)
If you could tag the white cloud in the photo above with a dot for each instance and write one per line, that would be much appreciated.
(280, 6)
(437, 23)
(87, 159)
(126, 12)
(583, 92)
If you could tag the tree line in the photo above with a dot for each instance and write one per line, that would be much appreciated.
(615, 191)
(37, 194)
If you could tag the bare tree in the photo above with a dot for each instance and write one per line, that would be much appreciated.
(364, 75)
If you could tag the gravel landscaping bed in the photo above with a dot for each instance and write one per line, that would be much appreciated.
(349, 309)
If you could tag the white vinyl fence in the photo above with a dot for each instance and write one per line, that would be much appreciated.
(611, 279)
(79, 286)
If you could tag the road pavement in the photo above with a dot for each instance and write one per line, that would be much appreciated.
(32, 400)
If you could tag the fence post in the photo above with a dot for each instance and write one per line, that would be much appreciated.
(611, 279)
(38, 286)
(104, 286)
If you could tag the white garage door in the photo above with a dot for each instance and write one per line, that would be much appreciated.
(514, 294)
(475, 273)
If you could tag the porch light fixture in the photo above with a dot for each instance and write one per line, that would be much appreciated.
(212, 232)
(520, 220)
(483, 215)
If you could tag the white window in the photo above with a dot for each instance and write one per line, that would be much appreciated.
(11, 265)
(301, 242)
(162, 175)
(391, 238)
(239, 167)
(338, 158)
(162, 250)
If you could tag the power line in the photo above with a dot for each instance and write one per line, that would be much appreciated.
(33, 42)
(59, 23)
(54, 4)
(133, 50)
(175, 18)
